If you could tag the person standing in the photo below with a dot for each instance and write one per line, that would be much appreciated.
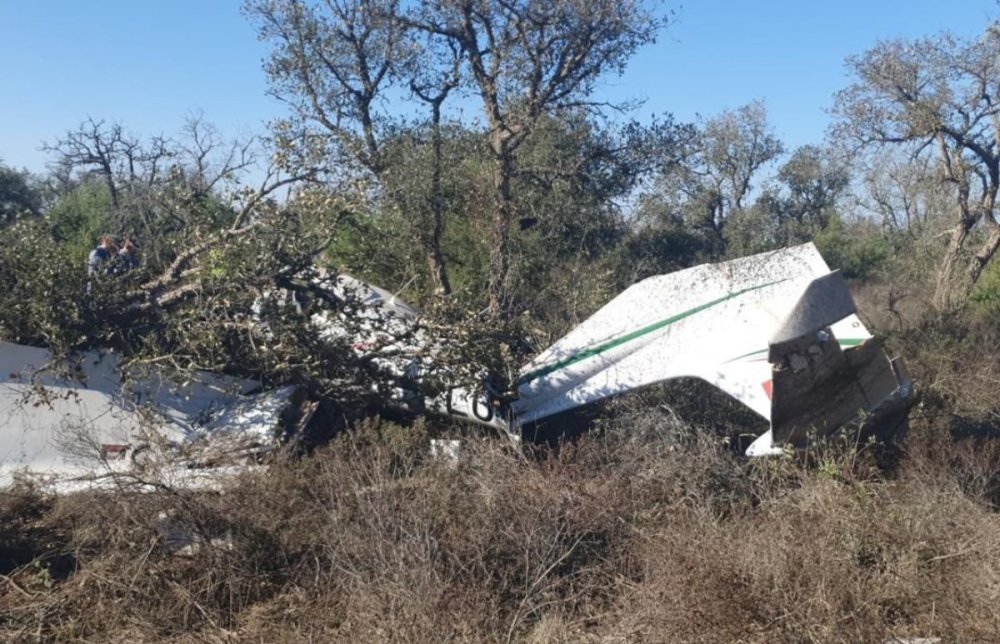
(98, 261)
(128, 256)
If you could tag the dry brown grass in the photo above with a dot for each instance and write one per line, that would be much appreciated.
(620, 537)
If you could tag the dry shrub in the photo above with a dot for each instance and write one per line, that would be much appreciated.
(647, 530)
(955, 359)
(25, 538)
(128, 583)
(953, 356)
(826, 561)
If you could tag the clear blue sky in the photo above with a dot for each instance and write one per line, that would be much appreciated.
(150, 63)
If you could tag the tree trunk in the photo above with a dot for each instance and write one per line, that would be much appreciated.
(985, 254)
(439, 271)
(945, 288)
(503, 215)
(435, 256)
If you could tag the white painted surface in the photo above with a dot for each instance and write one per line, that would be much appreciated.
(78, 423)
(712, 321)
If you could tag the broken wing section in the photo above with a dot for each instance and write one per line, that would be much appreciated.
(711, 321)
(73, 427)
(777, 331)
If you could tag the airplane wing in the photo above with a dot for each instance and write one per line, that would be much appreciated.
(72, 429)
(716, 322)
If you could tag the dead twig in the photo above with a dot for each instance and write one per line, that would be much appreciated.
(18, 587)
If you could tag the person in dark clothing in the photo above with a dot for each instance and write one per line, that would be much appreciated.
(98, 261)
(128, 257)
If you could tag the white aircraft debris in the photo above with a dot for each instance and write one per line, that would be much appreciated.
(80, 425)
(777, 331)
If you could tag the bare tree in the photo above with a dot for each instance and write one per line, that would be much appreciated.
(109, 152)
(526, 59)
(157, 184)
(171, 193)
(432, 86)
(335, 63)
(723, 159)
(902, 192)
(940, 95)
(212, 160)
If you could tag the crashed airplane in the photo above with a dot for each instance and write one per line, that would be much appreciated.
(777, 331)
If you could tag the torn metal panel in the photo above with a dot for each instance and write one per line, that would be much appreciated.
(77, 425)
(350, 288)
(823, 387)
(820, 385)
(824, 301)
(712, 321)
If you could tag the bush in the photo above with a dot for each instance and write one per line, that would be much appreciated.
(645, 530)
(859, 249)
